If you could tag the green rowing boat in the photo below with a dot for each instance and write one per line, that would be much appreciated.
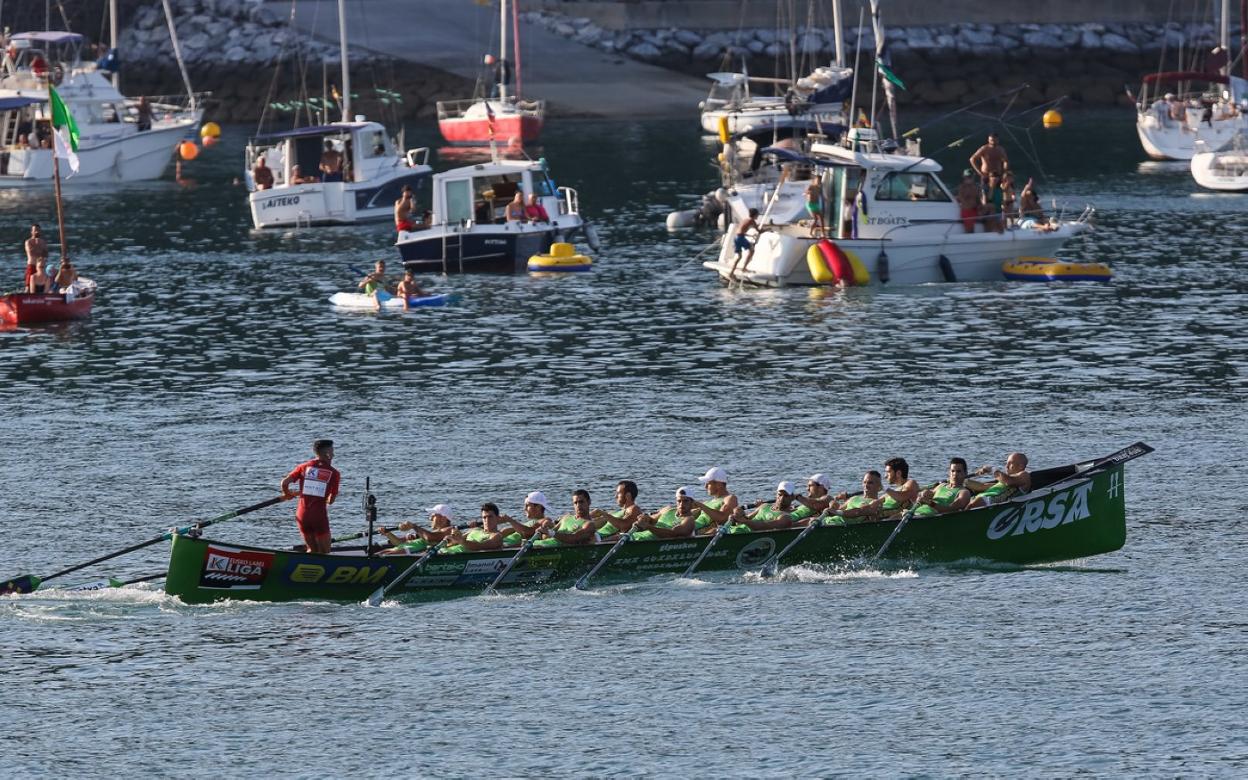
(1072, 512)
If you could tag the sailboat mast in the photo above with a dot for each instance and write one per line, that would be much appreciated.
(840, 35)
(515, 42)
(1226, 36)
(56, 177)
(112, 39)
(346, 64)
(502, 49)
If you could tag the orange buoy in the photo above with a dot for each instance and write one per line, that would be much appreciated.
(188, 150)
(209, 140)
(1052, 118)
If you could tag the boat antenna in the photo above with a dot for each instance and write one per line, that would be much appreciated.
(112, 39)
(853, 94)
(346, 64)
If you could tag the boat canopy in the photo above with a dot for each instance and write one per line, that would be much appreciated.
(49, 36)
(826, 154)
(1185, 75)
(307, 132)
(13, 103)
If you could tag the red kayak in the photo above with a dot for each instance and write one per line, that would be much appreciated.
(32, 308)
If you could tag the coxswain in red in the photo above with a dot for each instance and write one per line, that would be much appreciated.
(318, 487)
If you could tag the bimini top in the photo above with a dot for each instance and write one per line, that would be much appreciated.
(1185, 75)
(827, 154)
(11, 103)
(306, 132)
(49, 36)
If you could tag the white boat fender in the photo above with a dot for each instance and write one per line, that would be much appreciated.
(680, 219)
(881, 267)
(946, 269)
(722, 222)
(591, 237)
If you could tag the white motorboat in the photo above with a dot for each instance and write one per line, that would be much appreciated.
(901, 224)
(1206, 109)
(819, 97)
(115, 143)
(468, 231)
(373, 177)
(1224, 169)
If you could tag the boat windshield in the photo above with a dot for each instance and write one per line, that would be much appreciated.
(912, 187)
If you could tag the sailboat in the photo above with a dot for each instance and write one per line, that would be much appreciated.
(73, 301)
(374, 170)
(499, 116)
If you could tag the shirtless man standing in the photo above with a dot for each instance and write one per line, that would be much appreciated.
(36, 250)
(990, 159)
(742, 243)
(331, 163)
(403, 208)
(968, 196)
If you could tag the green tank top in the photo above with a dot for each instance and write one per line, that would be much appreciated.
(514, 537)
(475, 535)
(667, 519)
(371, 287)
(568, 524)
(801, 512)
(943, 495)
(995, 490)
(608, 529)
(413, 547)
(703, 519)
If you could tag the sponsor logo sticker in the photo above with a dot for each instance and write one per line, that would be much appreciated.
(289, 200)
(367, 573)
(1042, 514)
(755, 553)
(229, 568)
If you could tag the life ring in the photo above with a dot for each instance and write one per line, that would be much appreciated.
(562, 258)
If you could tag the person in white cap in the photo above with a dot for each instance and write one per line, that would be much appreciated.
(719, 508)
(611, 524)
(441, 525)
(535, 508)
(769, 515)
(576, 528)
(818, 497)
(670, 522)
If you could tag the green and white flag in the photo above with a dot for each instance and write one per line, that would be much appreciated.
(62, 118)
(888, 74)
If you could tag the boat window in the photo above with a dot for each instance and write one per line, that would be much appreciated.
(542, 186)
(911, 186)
(378, 145)
(493, 193)
(458, 200)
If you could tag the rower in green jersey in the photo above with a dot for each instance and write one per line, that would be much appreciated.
(769, 515)
(535, 508)
(945, 497)
(857, 508)
(611, 524)
(576, 528)
(441, 525)
(897, 499)
(670, 522)
(487, 536)
(719, 507)
(1014, 479)
(818, 498)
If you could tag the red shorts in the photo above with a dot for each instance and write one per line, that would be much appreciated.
(968, 219)
(405, 225)
(313, 524)
(30, 271)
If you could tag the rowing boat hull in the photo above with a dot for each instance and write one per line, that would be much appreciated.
(1074, 518)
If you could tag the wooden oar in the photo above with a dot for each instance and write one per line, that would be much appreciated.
(28, 583)
(583, 582)
(905, 519)
(719, 534)
(524, 550)
(770, 567)
(380, 594)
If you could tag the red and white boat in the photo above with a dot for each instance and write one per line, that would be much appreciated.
(499, 117)
(35, 308)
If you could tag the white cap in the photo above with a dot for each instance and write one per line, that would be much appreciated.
(688, 492)
(786, 487)
(1169, 96)
(821, 480)
(537, 497)
(442, 509)
(714, 474)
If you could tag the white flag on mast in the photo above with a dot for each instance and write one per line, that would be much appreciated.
(64, 151)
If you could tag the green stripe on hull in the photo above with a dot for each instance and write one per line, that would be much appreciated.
(1068, 521)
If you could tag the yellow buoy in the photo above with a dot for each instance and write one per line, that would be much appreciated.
(724, 135)
(210, 130)
(1052, 118)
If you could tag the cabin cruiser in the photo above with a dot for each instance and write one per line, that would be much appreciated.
(467, 229)
(888, 212)
(1171, 123)
(373, 176)
(115, 144)
(730, 107)
(1224, 169)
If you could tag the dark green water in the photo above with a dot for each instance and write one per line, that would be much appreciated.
(212, 360)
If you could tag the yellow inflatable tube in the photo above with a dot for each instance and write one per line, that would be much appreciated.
(562, 258)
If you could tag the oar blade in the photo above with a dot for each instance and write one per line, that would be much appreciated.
(27, 583)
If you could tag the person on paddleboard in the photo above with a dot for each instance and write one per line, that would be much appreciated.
(408, 288)
(318, 487)
(374, 284)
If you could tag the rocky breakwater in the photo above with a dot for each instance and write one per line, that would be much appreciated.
(248, 58)
(953, 64)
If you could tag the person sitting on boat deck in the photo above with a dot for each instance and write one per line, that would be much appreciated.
(1176, 108)
(769, 515)
(331, 163)
(262, 174)
(515, 208)
(968, 196)
(535, 211)
(36, 249)
(990, 159)
(408, 288)
(40, 282)
(863, 506)
(1030, 215)
(611, 524)
(297, 177)
(441, 526)
(945, 497)
(535, 508)
(66, 275)
(719, 507)
(814, 207)
(670, 522)
(1013, 480)
(576, 528)
(374, 284)
(318, 487)
(742, 242)
(487, 536)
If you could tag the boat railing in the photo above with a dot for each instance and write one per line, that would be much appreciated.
(417, 157)
(569, 202)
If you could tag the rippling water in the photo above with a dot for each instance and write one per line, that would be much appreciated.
(212, 360)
